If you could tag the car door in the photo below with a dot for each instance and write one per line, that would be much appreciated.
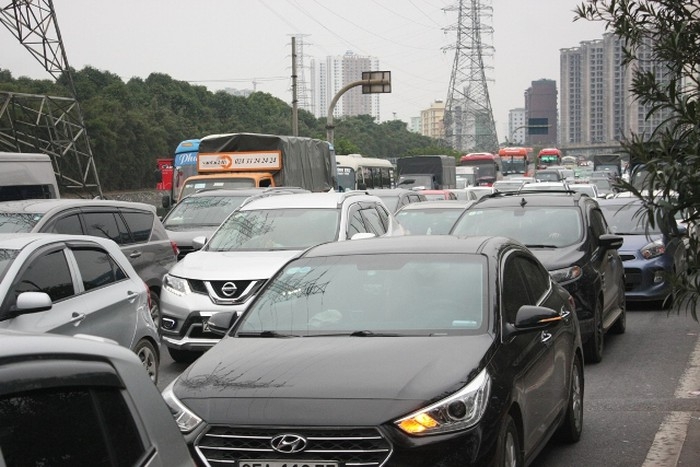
(537, 384)
(609, 264)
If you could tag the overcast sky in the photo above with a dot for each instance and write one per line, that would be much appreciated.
(233, 43)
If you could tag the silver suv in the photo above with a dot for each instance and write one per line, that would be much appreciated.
(248, 248)
(135, 227)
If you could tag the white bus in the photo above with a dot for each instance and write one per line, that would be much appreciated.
(356, 172)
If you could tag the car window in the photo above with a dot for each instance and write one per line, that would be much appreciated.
(598, 224)
(514, 287)
(77, 425)
(68, 225)
(355, 222)
(371, 218)
(383, 216)
(107, 225)
(536, 278)
(97, 268)
(47, 273)
(140, 225)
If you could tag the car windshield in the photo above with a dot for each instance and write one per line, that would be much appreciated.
(276, 229)
(15, 222)
(534, 226)
(6, 258)
(194, 186)
(202, 211)
(428, 221)
(390, 201)
(373, 295)
(627, 219)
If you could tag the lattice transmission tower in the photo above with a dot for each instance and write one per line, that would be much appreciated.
(469, 124)
(305, 96)
(47, 124)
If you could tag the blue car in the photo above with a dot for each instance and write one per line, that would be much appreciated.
(649, 256)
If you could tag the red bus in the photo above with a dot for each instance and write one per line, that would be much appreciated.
(487, 167)
(514, 161)
(548, 157)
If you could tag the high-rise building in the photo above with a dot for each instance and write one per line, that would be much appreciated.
(541, 113)
(334, 74)
(597, 108)
(432, 120)
(516, 126)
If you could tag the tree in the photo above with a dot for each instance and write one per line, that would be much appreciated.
(670, 156)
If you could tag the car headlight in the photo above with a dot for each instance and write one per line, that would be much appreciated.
(566, 275)
(653, 249)
(176, 285)
(459, 411)
(186, 419)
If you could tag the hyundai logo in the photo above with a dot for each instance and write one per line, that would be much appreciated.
(229, 289)
(288, 443)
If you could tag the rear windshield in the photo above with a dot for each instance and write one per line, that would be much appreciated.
(202, 211)
(15, 222)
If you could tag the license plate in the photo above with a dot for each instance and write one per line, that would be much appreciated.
(274, 463)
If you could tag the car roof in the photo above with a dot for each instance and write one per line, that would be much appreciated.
(390, 191)
(425, 244)
(47, 205)
(437, 204)
(533, 198)
(329, 200)
(15, 241)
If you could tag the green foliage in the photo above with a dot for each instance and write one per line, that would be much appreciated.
(132, 124)
(670, 156)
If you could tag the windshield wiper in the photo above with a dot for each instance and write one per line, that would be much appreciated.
(541, 246)
(264, 334)
(367, 333)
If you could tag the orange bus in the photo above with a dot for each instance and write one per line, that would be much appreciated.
(514, 161)
(548, 157)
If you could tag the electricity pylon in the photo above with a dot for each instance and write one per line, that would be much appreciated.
(46, 124)
(468, 121)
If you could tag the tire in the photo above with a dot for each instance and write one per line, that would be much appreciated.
(508, 453)
(593, 347)
(183, 356)
(155, 309)
(148, 355)
(572, 425)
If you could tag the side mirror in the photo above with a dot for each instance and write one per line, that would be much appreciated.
(610, 241)
(33, 302)
(362, 235)
(199, 242)
(533, 318)
(221, 322)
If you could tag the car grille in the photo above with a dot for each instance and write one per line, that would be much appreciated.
(222, 293)
(224, 446)
(633, 278)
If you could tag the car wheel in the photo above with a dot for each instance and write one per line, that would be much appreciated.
(183, 356)
(155, 309)
(508, 454)
(149, 358)
(572, 426)
(593, 348)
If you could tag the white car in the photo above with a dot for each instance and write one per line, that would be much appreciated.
(71, 284)
(248, 248)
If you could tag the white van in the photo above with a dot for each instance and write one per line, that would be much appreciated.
(27, 176)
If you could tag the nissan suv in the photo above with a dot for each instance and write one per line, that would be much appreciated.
(568, 233)
(248, 248)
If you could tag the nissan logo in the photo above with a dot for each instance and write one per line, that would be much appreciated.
(288, 443)
(228, 289)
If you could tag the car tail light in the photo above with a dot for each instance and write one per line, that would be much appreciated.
(176, 250)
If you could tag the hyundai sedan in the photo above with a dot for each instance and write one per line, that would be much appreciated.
(403, 351)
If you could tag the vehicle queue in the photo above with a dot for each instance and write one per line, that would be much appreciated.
(363, 343)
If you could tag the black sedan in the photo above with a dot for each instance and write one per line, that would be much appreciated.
(404, 351)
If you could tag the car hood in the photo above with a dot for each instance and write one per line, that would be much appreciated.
(637, 242)
(231, 265)
(558, 258)
(326, 380)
